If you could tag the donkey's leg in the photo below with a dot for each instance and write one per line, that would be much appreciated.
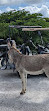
(47, 71)
(23, 83)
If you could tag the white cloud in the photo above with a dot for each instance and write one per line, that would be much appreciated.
(6, 2)
(1, 12)
(35, 9)
(9, 9)
(10, 2)
(44, 10)
(33, 1)
(3, 2)
(31, 9)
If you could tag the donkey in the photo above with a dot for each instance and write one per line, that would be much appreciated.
(34, 65)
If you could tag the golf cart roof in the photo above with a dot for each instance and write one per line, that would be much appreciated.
(21, 26)
(34, 29)
(29, 28)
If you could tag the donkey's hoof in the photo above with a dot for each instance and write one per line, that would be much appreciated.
(22, 92)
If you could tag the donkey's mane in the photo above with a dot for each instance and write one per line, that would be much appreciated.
(16, 49)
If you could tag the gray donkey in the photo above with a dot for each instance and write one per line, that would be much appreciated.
(34, 65)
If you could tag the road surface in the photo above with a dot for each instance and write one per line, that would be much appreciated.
(35, 99)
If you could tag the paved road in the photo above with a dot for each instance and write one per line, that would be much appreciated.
(35, 99)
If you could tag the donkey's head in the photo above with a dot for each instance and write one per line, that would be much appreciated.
(14, 54)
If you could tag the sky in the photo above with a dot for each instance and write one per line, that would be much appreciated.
(34, 6)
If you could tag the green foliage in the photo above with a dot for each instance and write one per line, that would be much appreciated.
(4, 29)
(23, 17)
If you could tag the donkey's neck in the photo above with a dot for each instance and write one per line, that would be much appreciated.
(16, 49)
(16, 55)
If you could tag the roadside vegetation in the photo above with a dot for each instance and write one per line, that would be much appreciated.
(23, 18)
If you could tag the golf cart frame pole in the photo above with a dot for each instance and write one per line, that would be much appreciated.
(9, 32)
(21, 26)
